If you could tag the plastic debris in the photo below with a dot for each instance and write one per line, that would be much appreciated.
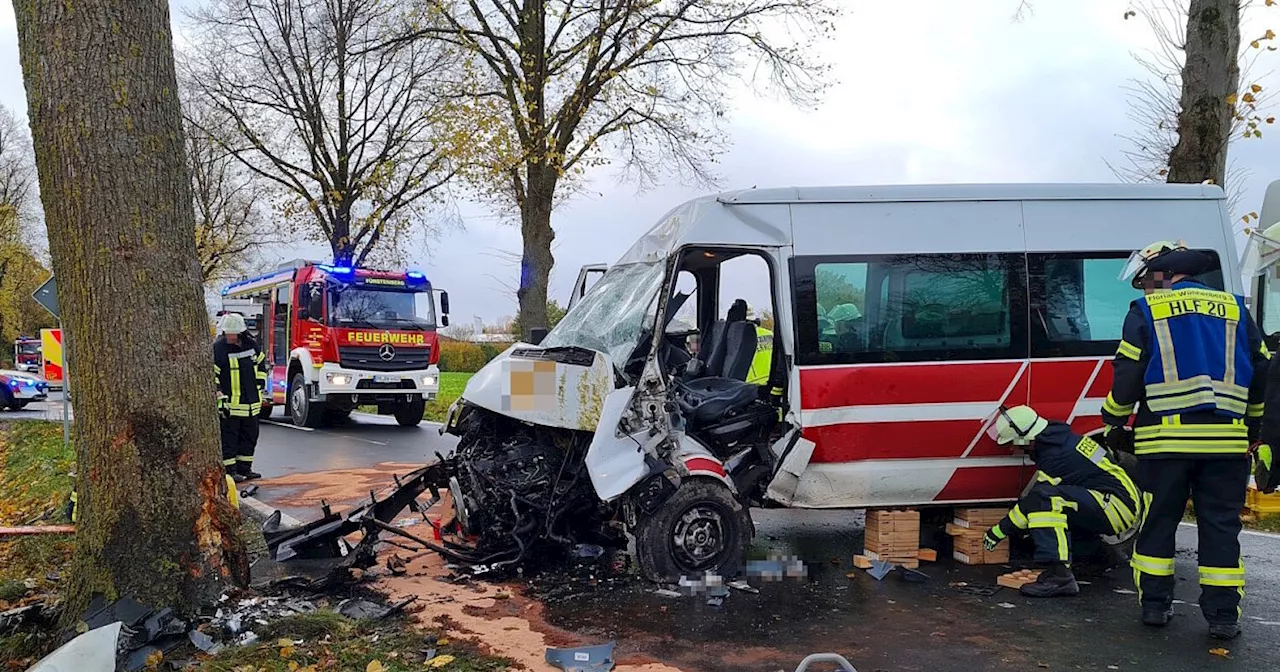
(358, 609)
(743, 586)
(879, 569)
(204, 642)
(666, 592)
(1006, 605)
(1124, 591)
(584, 659)
(93, 651)
(587, 551)
(776, 567)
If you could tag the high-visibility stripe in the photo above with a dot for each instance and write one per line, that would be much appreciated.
(1172, 436)
(229, 462)
(1152, 565)
(1042, 477)
(1111, 407)
(1164, 340)
(1129, 351)
(1017, 517)
(1255, 410)
(1225, 577)
(244, 458)
(1043, 519)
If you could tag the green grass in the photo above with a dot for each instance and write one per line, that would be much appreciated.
(451, 386)
(333, 642)
(35, 482)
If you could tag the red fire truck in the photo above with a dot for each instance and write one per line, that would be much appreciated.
(338, 337)
(26, 354)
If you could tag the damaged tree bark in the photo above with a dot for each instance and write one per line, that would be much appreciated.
(154, 519)
(1210, 76)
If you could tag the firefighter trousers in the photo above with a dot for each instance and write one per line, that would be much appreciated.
(1216, 486)
(239, 440)
(1053, 512)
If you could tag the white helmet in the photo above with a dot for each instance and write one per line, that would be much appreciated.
(232, 323)
(1019, 425)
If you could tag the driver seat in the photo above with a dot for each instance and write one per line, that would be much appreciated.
(724, 390)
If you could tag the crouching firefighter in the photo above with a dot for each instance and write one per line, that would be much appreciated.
(1079, 486)
(239, 368)
(1192, 363)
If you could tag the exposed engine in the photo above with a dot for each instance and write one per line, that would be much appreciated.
(516, 487)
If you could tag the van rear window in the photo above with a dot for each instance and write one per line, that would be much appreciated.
(896, 308)
(1078, 302)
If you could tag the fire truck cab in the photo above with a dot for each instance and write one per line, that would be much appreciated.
(26, 354)
(339, 337)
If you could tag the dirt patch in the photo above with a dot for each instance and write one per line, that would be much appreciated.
(343, 489)
(497, 616)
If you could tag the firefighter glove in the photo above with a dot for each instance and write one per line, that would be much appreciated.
(992, 538)
(1263, 474)
(1119, 439)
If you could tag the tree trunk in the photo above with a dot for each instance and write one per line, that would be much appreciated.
(154, 518)
(1211, 75)
(536, 259)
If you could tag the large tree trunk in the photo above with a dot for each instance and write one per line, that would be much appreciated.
(536, 259)
(1211, 75)
(154, 518)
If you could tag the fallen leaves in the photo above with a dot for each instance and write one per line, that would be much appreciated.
(375, 665)
(1225, 653)
(440, 661)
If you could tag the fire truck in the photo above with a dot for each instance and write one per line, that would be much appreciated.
(26, 354)
(338, 337)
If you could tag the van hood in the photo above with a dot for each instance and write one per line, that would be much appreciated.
(552, 387)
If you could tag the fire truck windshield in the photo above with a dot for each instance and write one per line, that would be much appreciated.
(356, 308)
(29, 348)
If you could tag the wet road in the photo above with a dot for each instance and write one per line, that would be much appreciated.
(884, 625)
(362, 441)
(896, 625)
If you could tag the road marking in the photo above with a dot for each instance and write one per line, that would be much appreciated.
(289, 425)
(356, 438)
(1252, 533)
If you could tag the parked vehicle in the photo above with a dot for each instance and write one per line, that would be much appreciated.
(19, 388)
(339, 337)
(904, 317)
(26, 354)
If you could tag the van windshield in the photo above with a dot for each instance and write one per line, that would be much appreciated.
(612, 315)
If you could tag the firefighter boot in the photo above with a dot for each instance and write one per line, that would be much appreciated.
(1224, 630)
(1056, 581)
(1157, 616)
(246, 472)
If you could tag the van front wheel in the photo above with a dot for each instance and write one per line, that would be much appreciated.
(701, 528)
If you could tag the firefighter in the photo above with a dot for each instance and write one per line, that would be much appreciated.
(763, 359)
(1079, 485)
(1264, 475)
(239, 367)
(1195, 360)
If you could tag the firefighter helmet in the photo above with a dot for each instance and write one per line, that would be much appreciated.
(1019, 425)
(1172, 258)
(232, 323)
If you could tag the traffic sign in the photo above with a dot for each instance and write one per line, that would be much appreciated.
(47, 296)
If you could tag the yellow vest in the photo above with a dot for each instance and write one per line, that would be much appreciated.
(760, 364)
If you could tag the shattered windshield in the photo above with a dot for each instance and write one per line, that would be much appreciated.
(611, 316)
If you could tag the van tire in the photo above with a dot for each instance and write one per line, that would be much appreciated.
(701, 511)
(303, 411)
(409, 413)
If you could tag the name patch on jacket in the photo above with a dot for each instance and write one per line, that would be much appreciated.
(1193, 301)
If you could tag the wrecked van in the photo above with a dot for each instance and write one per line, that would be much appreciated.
(903, 317)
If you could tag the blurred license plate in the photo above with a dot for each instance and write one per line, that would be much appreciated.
(386, 379)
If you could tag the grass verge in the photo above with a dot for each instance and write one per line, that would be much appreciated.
(35, 482)
(328, 641)
(451, 386)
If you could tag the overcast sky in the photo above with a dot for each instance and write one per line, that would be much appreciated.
(927, 91)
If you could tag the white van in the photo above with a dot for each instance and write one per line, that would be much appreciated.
(904, 316)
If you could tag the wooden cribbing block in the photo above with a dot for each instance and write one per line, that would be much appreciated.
(861, 562)
(927, 555)
(1018, 579)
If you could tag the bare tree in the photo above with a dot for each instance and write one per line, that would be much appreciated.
(567, 85)
(17, 166)
(1156, 101)
(232, 222)
(349, 127)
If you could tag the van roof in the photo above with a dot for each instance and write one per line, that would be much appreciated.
(767, 220)
(972, 192)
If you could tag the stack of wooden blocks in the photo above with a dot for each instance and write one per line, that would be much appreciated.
(967, 530)
(893, 536)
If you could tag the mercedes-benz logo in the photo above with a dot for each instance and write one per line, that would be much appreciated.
(386, 352)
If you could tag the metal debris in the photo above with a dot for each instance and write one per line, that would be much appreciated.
(743, 586)
(584, 659)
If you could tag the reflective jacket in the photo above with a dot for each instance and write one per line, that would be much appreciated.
(1065, 458)
(241, 374)
(763, 359)
(1195, 360)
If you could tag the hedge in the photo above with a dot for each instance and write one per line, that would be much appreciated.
(465, 357)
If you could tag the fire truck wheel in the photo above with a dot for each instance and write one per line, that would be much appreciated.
(701, 528)
(304, 412)
(409, 413)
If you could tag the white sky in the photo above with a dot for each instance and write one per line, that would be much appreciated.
(928, 91)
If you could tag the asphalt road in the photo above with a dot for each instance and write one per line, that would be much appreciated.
(363, 440)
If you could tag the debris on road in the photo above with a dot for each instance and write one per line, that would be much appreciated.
(583, 659)
(1016, 580)
(776, 567)
(743, 586)
(1007, 605)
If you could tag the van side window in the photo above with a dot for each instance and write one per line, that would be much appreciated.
(1078, 302)
(897, 308)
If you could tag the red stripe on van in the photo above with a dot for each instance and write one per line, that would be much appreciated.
(1101, 386)
(907, 384)
(892, 440)
(969, 484)
(1056, 386)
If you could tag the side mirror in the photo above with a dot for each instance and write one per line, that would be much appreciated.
(444, 307)
(536, 335)
(444, 320)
